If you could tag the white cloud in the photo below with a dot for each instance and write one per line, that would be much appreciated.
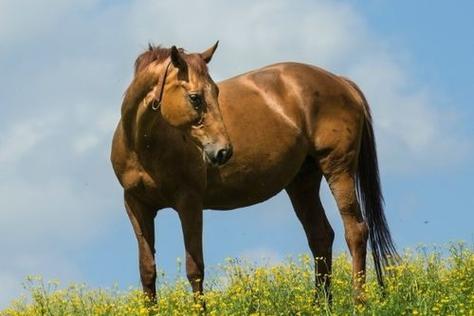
(85, 142)
(19, 139)
(22, 20)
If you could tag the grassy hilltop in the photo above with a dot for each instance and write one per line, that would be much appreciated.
(426, 283)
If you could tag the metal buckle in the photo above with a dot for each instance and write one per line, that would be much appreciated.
(156, 105)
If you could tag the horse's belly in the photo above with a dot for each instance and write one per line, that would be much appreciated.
(252, 178)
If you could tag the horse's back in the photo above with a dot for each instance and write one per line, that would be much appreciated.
(302, 91)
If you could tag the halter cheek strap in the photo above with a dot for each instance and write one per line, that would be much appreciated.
(157, 102)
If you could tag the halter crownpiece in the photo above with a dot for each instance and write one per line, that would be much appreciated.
(157, 102)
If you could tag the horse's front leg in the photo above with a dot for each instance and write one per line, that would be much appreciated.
(190, 212)
(142, 218)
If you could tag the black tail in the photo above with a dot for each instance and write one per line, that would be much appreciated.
(371, 199)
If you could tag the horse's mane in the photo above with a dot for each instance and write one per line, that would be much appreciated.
(156, 53)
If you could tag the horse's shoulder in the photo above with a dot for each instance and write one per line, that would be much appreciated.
(124, 161)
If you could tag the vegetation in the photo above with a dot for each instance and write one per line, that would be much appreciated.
(435, 282)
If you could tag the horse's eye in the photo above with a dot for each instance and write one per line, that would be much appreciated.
(196, 101)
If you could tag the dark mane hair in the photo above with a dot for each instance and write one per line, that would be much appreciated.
(156, 53)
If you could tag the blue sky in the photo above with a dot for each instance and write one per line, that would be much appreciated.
(65, 65)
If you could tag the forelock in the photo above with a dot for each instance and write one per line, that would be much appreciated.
(159, 54)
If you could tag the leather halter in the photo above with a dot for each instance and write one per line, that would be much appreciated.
(157, 102)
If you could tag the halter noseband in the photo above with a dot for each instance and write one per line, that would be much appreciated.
(157, 102)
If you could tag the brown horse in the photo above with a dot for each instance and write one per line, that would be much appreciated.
(189, 144)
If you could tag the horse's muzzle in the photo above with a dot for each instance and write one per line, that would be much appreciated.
(219, 156)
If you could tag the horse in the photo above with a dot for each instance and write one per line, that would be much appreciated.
(187, 143)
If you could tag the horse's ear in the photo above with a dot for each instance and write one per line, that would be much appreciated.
(207, 55)
(176, 59)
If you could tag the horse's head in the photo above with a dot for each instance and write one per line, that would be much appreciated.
(189, 102)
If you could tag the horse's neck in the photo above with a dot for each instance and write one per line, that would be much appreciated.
(151, 132)
(145, 131)
(137, 115)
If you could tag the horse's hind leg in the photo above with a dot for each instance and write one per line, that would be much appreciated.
(304, 194)
(142, 219)
(338, 166)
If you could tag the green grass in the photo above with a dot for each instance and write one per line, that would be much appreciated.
(435, 282)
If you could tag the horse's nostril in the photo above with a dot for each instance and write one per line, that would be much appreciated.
(223, 155)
